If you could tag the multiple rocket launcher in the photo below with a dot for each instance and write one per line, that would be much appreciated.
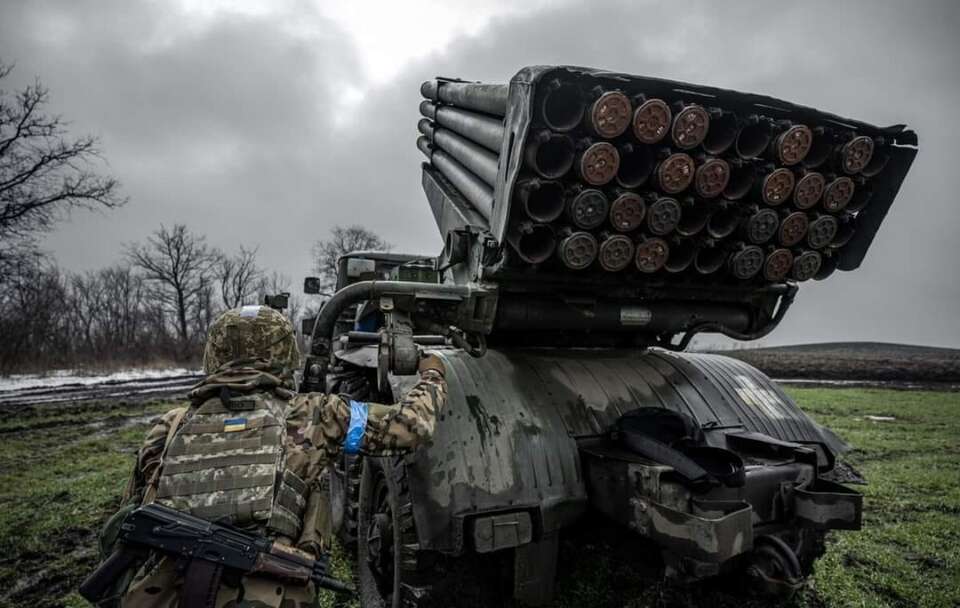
(625, 182)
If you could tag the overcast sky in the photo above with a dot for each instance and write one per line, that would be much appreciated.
(266, 123)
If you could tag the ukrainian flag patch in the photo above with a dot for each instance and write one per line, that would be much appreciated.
(231, 425)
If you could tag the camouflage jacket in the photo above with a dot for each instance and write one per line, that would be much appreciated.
(316, 428)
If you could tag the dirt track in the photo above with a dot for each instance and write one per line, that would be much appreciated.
(10, 400)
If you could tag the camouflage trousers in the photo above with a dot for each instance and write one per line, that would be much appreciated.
(160, 588)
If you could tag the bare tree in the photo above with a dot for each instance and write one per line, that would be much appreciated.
(32, 310)
(343, 240)
(178, 266)
(239, 277)
(43, 172)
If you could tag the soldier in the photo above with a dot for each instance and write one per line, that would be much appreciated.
(248, 451)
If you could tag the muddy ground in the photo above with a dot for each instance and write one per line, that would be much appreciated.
(62, 468)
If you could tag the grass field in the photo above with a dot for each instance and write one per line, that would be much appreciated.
(62, 470)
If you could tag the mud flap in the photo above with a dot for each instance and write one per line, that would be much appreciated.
(827, 505)
(696, 544)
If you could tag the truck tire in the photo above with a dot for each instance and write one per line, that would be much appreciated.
(392, 571)
(345, 497)
(812, 546)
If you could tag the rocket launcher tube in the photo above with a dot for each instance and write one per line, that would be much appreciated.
(742, 176)
(682, 254)
(724, 221)
(820, 149)
(486, 98)
(469, 185)
(549, 154)
(543, 200)
(636, 165)
(753, 138)
(534, 243)
(562, 105)
(722, 133)
(484, 130)
(479, 161)
(709, 259)
(694, 217)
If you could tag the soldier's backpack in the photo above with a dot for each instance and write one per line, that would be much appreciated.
(227, 463)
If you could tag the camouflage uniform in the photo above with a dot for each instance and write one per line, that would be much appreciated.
(206, 466)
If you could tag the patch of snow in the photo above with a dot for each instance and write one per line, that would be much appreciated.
(880, 418)
(69, 377)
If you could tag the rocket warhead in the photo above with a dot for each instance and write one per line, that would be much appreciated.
(608, 116)
(793, 228)
(793, 145)
(627, 212)
(806, 265)
(690, 127)
(809, 190)
(576, 249)
(746, 262)
(652, 254)
(856, 154)
(663, 216)
(651, 121)
(778, 264)
(587, 209)
(711, 177)
(777, 186)
(838, 193)
(822, 231)
(675, 173)
(616, 252)
(761, 225)
(598, 163)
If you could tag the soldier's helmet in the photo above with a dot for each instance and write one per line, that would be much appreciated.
(251, 333)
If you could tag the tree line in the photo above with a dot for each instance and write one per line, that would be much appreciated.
(155, 304)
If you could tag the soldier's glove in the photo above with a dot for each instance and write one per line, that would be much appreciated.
(430, 361)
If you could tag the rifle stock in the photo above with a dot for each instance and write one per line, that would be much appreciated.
(125, 558)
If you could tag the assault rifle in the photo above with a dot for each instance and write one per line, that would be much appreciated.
(207, 549)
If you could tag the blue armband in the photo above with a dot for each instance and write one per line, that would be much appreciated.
(358, 425)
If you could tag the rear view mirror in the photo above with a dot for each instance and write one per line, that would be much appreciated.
(311, 285)
(306, 326)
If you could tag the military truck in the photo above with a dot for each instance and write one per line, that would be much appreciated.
(593, 224)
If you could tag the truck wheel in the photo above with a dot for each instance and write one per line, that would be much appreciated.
(811, 547)
(345, 497)
(391, 568)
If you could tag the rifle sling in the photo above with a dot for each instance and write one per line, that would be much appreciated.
(200, 585)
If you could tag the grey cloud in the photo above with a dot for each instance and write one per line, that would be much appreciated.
(233, 128)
